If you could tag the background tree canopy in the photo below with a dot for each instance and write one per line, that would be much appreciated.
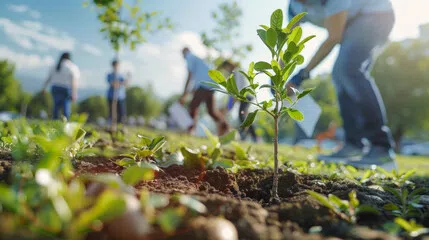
(402, 74)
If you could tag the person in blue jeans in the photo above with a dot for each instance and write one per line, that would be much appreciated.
(117, 84)
(360, 27)
(63, 79)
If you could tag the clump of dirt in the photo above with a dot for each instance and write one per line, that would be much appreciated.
(94, 165)
(5, 166)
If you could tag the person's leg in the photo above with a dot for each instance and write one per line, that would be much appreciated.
(109, 102)
(358, 89)
(59, 96)
(66, 103)
(121, 110)
(193, 107)
(214, 113)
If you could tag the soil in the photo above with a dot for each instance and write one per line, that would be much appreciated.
(244, 199)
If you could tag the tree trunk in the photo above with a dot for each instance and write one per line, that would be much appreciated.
(274, 191)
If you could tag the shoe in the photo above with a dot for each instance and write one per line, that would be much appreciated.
(377, 156)
(347, 153)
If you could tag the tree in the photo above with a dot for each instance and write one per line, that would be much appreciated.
(10, 88)
(402, 74)
(224, 35)
(143, 102)
(284, 44)
(125, 25)
(40, 102)
(95, 107)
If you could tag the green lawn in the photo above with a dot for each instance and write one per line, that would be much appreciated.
(264, 151)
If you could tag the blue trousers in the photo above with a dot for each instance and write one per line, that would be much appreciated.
(361, 106)
(62, 100)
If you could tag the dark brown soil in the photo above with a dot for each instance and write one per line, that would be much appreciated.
(5, 166)
(244, 199)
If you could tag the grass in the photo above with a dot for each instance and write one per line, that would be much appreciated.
(263, 151)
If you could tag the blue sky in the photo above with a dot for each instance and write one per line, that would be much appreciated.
(34, 32)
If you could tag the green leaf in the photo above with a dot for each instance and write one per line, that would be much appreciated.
(390, 207)
(267, 104)
(108, 206)
(240, 154)
(404, 224)
(277, 19)
(124, 162)
(135, 174)
(217, 76)
(282, 39)
(299, 59)
(193, 204)
(338, 202)
(295, 114)
(260, 66)
(157, 144)
(294, 21)
(216, 153)
(170, 219)
(305, 93)
(8, 198)
(353, 199)
(276, 66)
(225, 163)
(249, 119)
(367, 209)
(264, 27)
(321, 199)
(394, 192)
(232, 85)
(228, 138)
(262, 35)
(251, 70)
(212, 138)
(193, 158)
(271, 37)
(307, 39)
(158, 200)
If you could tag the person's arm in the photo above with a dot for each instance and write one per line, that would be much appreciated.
(45, 85)
(335, 25)
(75, 80)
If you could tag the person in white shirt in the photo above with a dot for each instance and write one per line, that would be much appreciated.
(63, 79)
(198, 72)
(243, 110)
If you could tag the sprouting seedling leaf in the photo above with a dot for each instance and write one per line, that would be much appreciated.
(294, 21)
(249, 119)
(193, 204)
(304, 93)
(217, 76)
(271, 37)
(228, 138)
(321, 199)
(295, 114)
(134, 174)
(277, 19)
(260, 66)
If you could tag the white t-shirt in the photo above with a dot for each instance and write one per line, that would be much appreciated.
(65, 76)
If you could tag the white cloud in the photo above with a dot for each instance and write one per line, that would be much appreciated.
(91, 49)
(30, 35)
(25, 61)
(22, 8)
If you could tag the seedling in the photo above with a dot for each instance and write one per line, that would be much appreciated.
(346, 210)
(285, 46)
(149, 148)
(413, 229)
(409, 202)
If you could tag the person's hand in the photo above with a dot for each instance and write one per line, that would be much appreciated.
(116, 84)
(182, 99)
(289, 86)
(299, 78)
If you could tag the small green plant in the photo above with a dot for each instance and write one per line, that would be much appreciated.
(147, 150)
(346, 210)
(409, 202)
(397, 178)
(413, 229)
(285, 46)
